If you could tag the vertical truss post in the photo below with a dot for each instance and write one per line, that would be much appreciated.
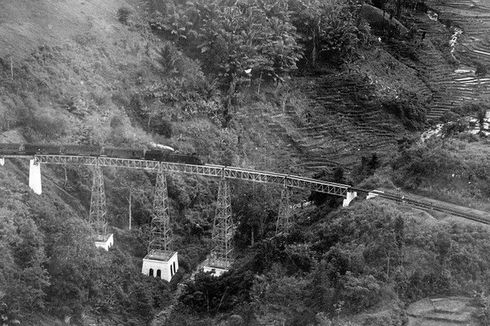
(98, 210)
(161, 234)
(223, 225)
(284, 212)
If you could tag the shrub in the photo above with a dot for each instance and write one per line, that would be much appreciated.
(41, 123)
(210, 294)
(116, 122)
(162, 127)
(328, 30)
(481, 69)
(123, 15)
(408, 109)
(360, 292)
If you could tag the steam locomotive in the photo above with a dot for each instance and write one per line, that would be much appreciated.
(154, 154)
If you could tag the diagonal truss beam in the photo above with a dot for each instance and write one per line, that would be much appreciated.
(291, 181)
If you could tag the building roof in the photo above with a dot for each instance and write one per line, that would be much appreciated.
(102, 237)
(162, 255)
(217, 263)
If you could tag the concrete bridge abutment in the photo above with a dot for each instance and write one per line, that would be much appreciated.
(350, 197)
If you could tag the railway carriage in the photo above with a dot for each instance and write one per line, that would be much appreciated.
(154, 155)
(47, 149)
(32, 149)
(10, 149)
(129, 153)
(194, 159)
(82, 150)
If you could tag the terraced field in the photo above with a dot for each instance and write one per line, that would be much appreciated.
(341, 124)
(442, 312)
(343, 121)
(472, 50)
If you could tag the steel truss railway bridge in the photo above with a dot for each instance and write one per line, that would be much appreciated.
(161, 261)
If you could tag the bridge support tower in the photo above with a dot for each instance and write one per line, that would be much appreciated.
(35, 176)
(160, 261)
(284, 213)
(219, 261)
(98, 211)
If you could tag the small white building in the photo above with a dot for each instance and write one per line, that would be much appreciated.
(105, 241)
(160, 263)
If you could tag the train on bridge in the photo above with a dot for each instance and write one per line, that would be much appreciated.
(154, 154)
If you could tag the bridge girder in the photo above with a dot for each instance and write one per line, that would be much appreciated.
(205, 170)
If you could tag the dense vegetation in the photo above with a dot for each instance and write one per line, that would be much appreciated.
(357, 259)
(206, 63)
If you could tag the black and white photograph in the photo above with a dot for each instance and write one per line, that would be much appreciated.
(245, 162)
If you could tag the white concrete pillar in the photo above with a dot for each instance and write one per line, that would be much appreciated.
(35, 177)
(350, 197)
(2, 161)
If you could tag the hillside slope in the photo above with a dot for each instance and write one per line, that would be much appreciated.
(76, 71)
(26, 25)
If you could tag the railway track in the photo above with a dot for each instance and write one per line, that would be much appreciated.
(287, 180)
(425, 205)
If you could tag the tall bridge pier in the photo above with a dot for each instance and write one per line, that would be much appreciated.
(98, 211)
(160, 261)
(220, 259)
(284, 213)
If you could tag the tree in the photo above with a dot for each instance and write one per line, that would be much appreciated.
(234, 40)
(338, 174)
(210, 294)
(275, 295)
(23, 276)
(328, 29)
(253, 208)
(480, 116)
(321, 198)
(136, 189)
(443, 246)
